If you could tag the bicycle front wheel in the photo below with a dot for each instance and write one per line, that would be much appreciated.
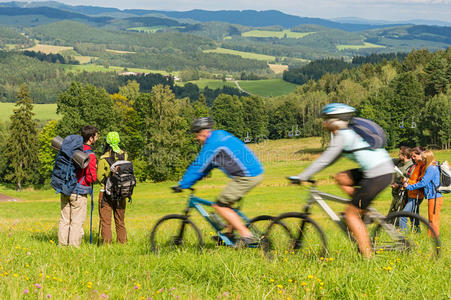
(411, 233)
(260, 224)
(292, 233)
(175, 232)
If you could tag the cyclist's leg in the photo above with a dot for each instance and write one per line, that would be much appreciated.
(234, 191)
(367, 189)
(347, 180)
(358, 228)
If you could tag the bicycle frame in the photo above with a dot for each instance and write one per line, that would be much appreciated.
(318, 197)
(199, 203)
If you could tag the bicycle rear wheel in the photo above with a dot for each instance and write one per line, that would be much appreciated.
(295, 233)
(415, 236)
(175, 232)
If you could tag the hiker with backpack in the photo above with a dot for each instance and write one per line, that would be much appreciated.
(352, 140)
(111, 199)
(403, 163)
(430, 182)
(74, 199)
(414, 197)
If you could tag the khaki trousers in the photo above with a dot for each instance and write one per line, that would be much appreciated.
(118, 210)
(73, 216)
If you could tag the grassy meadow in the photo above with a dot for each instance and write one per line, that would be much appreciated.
(32, 266)
(356, 47)
(43, 112)
(99, 68)
(243, 54)
(275, 34)
(211, 83)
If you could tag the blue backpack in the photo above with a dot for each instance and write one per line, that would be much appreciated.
(64, 175)
(371, 132)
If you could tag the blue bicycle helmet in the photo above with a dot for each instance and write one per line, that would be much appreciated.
(338, 110)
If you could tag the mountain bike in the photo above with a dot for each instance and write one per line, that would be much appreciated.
(302, 234)
(175, 231)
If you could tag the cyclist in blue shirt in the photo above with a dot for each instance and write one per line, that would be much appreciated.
(362, 184)
(224, 151)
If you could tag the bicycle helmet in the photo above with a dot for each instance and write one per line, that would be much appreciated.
(338, 111)
(202, 123)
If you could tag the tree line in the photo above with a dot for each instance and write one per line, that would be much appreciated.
(47, 80)
(411, 100)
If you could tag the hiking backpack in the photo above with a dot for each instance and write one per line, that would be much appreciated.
(445, 177)
(370, 131)
(64, 174)
(121, 181)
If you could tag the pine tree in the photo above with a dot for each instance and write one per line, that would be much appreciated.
(22, 144)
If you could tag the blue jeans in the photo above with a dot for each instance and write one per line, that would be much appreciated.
(411, 206)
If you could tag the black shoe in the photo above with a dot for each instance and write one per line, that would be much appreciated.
(248, 242)
(230, 235)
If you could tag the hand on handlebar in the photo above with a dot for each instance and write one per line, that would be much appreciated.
(297, 180)
(176, 189)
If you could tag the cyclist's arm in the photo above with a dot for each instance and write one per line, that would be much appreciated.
(330, 155)
(200, 168)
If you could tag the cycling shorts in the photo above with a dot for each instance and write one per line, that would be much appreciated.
(366, 189)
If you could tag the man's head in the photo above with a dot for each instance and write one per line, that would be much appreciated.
(89, 134)
(202, 128)
(337, 115)
(405, 153)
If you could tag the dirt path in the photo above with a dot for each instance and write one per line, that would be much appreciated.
(6, 198)
(239, 87)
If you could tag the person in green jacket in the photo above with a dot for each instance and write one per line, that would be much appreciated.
(404, 163)
(111, 154)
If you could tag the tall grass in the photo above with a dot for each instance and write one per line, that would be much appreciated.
(32, 266)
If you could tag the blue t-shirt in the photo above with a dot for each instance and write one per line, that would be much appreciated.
(224, 151)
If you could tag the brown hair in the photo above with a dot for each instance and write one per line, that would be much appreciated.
(406, 151)
(428, 158)
(417, 150)
(88, 132)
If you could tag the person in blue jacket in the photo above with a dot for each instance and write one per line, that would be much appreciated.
(430, 182)
(224, 151)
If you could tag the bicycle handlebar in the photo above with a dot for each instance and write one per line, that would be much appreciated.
(178, 189)
(296, 180)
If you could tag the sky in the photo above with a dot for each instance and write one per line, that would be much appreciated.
(390, 10)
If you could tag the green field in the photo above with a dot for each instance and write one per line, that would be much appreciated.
(152, 29)
(211, 83)
(268, 88)
(43, 112)
(365, 45)
(32, 266)
(276, 34)
(243, 54)
(99, 68)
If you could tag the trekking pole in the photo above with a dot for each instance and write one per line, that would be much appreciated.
(92, 207)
